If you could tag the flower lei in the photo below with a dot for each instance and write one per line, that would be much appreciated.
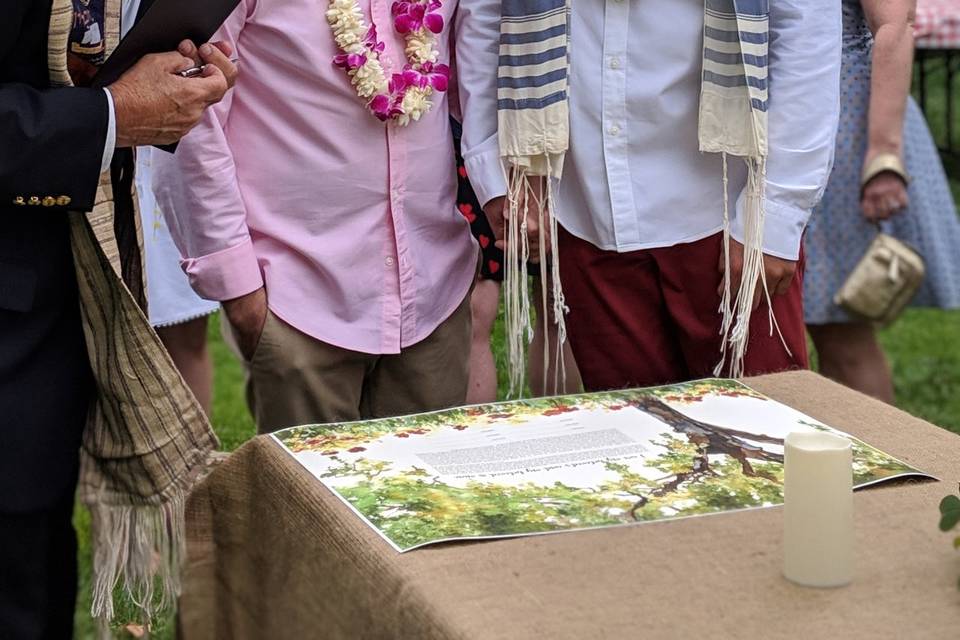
(405, 96)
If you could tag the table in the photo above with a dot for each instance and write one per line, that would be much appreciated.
(937, 39)
(273, 554)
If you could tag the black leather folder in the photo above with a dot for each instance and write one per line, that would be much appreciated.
(161, 28)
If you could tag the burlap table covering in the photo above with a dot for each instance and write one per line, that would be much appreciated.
(273, 555)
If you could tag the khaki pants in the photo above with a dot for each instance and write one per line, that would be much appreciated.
(294, 379)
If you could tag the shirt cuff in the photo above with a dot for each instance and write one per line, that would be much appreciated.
(226, 274)
(111, 142)
(782, 230)
(485, 170)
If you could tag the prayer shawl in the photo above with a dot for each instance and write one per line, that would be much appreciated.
(147, 439)
(533, 94)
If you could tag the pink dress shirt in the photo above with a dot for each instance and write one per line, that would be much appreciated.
(351, 224)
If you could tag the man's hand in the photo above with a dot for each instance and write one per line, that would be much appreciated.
(154, 105)
(779, 274)
(883, 197)
(215, 53)
(497, 218)
(247, 315)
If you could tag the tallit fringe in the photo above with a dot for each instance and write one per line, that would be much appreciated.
(559, 300)
(517, 316)
(516, 311)
(735, 323)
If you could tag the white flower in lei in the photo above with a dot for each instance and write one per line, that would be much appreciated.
(420, 47)
(405, 96)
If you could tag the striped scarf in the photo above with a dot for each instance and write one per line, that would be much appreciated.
(147, 441)
(533, 95)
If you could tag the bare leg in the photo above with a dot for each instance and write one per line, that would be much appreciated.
(484, 305)
(187, 344)
(538, 385)
(850, 354)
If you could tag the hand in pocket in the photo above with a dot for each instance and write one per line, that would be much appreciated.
(247, 315)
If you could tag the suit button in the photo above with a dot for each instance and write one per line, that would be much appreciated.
(34, 200)
(49, 201)
(63, 201)
(19, 201)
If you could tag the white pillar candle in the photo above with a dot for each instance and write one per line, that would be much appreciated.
(818, 509)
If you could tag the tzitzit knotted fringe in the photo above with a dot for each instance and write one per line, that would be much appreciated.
(517, 316)
(735, 323)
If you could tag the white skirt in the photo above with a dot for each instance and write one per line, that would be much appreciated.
(170, 300)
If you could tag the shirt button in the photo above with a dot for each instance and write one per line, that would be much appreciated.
(388, 261)
(614, 63)
(614, 130)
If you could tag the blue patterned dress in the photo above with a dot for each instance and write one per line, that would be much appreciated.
(838, 234)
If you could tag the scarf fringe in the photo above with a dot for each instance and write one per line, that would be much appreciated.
(735, 323)
(517, 316)
(143, 545)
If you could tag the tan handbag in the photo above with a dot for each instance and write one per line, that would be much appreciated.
(883, 282)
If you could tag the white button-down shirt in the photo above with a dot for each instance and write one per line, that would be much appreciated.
(635, 178)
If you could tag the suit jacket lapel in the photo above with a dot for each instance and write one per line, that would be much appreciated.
(142, 9)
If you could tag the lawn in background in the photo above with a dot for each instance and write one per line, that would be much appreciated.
(923, 348)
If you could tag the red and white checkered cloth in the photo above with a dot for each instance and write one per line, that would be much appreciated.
(938, 24)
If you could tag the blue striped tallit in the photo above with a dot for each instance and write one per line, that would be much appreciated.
(532, 95)
(733, 96)
(532, 84)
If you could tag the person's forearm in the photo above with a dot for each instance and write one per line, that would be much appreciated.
(198, 192)
(804, 106)
(890, 77)
(477, 44)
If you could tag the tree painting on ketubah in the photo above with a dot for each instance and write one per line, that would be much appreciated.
(565, 463)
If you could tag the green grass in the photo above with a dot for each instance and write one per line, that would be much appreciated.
(923, 347)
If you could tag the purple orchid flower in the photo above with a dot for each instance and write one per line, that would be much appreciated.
(371, 42)
(412, 16)
(429, 75)
(400, 81)
(410, 77)
(435, 75)
(384, 108)
(350, 61)
(433, 21)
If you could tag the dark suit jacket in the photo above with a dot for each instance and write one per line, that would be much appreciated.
(51, 147)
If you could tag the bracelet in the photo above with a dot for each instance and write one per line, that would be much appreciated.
(883, 163)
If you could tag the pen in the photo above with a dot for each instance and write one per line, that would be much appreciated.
(192, 72)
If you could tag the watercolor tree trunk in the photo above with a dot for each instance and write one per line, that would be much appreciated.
(710, 439)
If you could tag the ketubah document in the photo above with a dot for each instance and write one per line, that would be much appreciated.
(559, 464)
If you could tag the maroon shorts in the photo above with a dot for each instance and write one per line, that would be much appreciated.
(651, 317)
